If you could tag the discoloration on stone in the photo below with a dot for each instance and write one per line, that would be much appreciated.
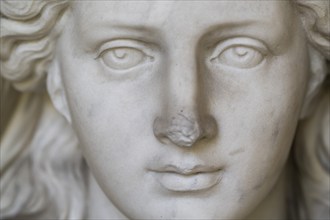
(237, 151)
(184, 130)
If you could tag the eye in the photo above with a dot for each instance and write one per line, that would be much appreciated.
(238, 55)
(123, 58)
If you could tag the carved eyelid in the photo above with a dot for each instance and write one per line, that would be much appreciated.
(239, 42)
(145, 48)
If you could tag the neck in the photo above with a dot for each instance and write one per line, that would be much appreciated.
(274, 205)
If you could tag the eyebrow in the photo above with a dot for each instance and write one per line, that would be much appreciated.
(249, 27)
(253, 28)
(138, 29)
(111, 30)
(153, 31)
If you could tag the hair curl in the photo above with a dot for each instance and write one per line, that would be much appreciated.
(38, 170)
(28, 35)
(315, 17)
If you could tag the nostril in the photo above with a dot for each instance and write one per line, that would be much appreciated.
(210, 127)
(182, 130)
(158, 128)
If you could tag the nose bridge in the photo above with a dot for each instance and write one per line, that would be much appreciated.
(182, 79)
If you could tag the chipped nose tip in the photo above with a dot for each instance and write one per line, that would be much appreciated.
(184, 135)
(180, 130)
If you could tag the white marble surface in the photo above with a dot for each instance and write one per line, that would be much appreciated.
(180, 109)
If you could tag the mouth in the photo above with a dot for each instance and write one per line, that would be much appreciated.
(188, 179)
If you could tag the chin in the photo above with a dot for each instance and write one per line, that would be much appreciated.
(187, 207)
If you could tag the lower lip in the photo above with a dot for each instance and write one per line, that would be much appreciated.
(188, 183)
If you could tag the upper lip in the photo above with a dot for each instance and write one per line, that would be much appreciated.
(187, 170)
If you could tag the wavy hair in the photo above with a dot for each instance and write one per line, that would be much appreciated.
(43, 173)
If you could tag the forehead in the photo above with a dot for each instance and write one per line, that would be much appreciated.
(184, 14)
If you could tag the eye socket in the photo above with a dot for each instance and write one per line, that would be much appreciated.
(123, 58)
(238, 55)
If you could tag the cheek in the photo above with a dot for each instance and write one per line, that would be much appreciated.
(266, 141)
(110, 120)
(258, 127)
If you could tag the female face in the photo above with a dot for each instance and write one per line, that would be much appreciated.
(184, 109)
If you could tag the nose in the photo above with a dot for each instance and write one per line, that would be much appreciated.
(184, 119)
(183, 130)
